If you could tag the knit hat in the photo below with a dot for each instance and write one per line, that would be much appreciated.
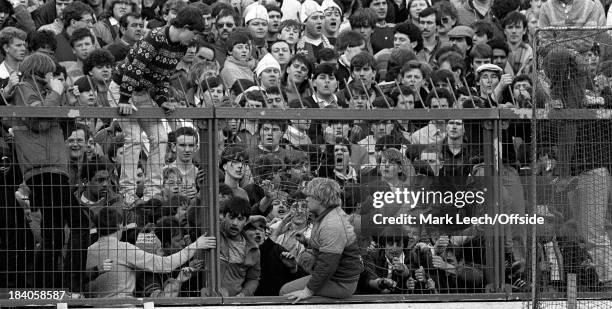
(308, 8)
(329, 4)
(268, 61)
(255, 11)
(460, 32)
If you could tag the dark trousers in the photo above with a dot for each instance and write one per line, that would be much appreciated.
(16, 239)
(52, 194)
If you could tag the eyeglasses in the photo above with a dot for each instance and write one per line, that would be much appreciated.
(227, 25)
(87, 21)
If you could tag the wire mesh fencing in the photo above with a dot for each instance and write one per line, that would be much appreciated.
(570, 254)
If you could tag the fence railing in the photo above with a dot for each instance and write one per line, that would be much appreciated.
(490, 124)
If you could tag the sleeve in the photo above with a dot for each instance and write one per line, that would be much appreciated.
(26, 97)
(39, 16)
(251, 281)
(24, 19)
(139, 57)
(325, 266)
(142, 260)
(162, 93)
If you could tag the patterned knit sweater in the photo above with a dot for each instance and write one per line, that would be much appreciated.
(149, 65)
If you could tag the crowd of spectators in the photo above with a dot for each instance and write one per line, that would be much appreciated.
(113, 207)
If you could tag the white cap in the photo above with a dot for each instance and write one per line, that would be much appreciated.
(328, 4)
(489, 67)
(308, 8)
(268, 61)
(255, 11)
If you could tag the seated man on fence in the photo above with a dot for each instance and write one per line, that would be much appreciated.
(173, 238)
(239, 256)
(336, 262)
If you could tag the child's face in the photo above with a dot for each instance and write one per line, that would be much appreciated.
(173, 183)
(215, 94)
(241, 51)
(290, 34)
(87, 98)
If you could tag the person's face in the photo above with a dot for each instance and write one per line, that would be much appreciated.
(275, 100)
(77, 144)
(173, 183)
(366, 32)
(382, 128)
(186, 146)
(536, 4)
(488, 81)
(281, 52)
(326, 84)
(225, 27)
(461, 100)
(133, 31)
(3, 17)
(514, 33)
(270, 135)
(388, 170)
(241, 51)
(118, 155)
(416, 7)
(60, 5)
(405, 102)
(86, 22)
(332, 20)
(269, 77)
(380, 7)
(189, 55)
(258, 27)
(532, 24)
(299, 170)
(203, 55)
(88, 97)
(428, 25)
(393, 251)
(255, 235)
(280, 206)
(99, 185)
(121, 8)
(413, 79)
(233, 225)
(402, 41)
(298, 72)
(447, 24)
(480, 39)
(340, 129)
(234, 169)
(455, 129)
(522, 89)
(275, 18)
(314, 205)
(342, 157)
(459, 42)
(360, 100)
(83, 47)
(176, 244)
(299, 213)
(500, 58)
(477, 62)
(353, 51)
(101, 72)
(439, 103)
(592, 60)
(431, 158)
(16, 49)
(314, 25)
(207, 22)
(366, 74)
(215, 94)
(290, 35)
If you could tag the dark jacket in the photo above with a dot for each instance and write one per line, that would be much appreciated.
(274, 274)
(44, 14)
(239, 278)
